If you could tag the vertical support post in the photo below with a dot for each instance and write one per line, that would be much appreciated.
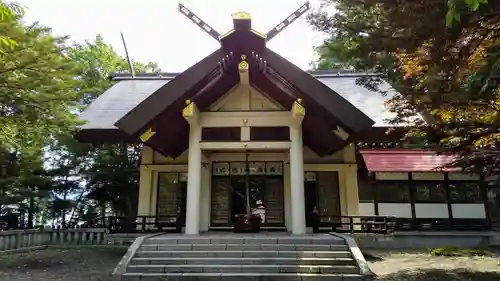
(190, 113)
(297, 181)
(145, 185)
(297, 170)
(194, 181)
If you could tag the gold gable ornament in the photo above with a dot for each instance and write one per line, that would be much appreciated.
(188, 111)
(148, 134)
(298, 108)
(243, 66)
(241, 16)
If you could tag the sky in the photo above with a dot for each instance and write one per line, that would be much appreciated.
(156, 31)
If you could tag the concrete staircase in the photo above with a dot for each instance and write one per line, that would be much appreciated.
(231, 257)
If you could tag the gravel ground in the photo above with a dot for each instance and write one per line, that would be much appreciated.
(96, 264)
(84, 264)
(423, 267)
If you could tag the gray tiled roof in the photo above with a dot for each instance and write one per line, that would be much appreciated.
(118, 101)
(370, 103)
(126, 94)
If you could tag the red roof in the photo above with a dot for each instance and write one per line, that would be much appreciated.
(405, 160)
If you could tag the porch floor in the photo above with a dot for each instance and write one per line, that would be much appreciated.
(222, 234)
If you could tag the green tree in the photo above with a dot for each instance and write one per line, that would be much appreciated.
(37, 104)
(110, 172)
(95, 61)
(37, 88)
(8, 12)
(447, 73)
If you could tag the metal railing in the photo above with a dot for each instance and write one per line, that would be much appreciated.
(346, 224)
(356, 224)
(123, 224)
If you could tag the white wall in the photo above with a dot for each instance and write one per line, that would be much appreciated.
(431, 210)
(366, 209)
(401, 210)
(468, 211)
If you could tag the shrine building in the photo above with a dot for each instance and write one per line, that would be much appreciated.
(302, 140)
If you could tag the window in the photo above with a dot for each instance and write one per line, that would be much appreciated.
(269, 133)
(221, 134)
(393, 191)
(465, 192)
(429, 191)
(365, 190)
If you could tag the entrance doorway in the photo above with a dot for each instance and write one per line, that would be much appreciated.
(265, 184)
(171, 199)
(493, 195)
(321, 190)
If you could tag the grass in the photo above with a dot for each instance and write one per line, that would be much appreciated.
(458, 252)
(440, 275)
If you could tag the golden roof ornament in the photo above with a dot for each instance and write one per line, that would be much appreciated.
(241, 16)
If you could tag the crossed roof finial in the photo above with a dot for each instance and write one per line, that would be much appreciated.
(238, 16)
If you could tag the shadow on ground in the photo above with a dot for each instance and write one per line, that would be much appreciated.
(73, 264)
(372, 258)
(440, 275)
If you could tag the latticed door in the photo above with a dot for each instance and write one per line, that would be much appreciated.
(171, 197)
(221, 200)
(328, 196)
(273, 200)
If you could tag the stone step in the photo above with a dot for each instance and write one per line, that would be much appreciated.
(321, 240)
(239, 277)
(243, 247)
(248, 268)
(243, 254)
(244, 261)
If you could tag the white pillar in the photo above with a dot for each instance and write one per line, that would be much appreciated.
(297, 180)
(194, 181)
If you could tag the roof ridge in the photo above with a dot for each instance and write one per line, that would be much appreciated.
(329, 73)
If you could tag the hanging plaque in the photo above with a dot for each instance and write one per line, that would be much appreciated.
(257, 168)
(274, 168)
(220, 169)
(238, 168)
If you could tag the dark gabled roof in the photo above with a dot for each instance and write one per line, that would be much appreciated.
(189, 81)
(351, 117)
(342, 82)
(158, 108)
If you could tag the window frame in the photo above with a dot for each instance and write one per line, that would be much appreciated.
(379, 184)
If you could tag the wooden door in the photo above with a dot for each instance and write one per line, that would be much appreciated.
(273, 200)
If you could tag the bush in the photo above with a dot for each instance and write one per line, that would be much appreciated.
(456, 252)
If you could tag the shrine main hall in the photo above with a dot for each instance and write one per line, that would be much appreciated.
(300, 141)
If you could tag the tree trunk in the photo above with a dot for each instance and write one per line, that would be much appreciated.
(31, 212)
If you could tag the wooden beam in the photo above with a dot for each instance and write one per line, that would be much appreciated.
(246, 118)
(255, 145)
(243, 69)
(200, 23)
(291, 18)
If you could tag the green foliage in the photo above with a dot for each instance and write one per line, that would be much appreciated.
(447, 75)
(457, 7)
(36, 88)
(111, 171)
(44, 83)
(8, 12)
(457, 252)
(95, 60)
